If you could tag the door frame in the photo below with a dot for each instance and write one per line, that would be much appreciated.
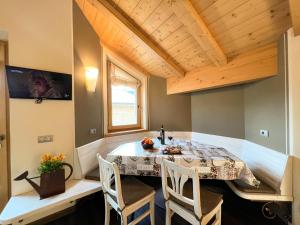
(7, 186)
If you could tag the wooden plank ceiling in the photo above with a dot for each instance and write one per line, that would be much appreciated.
(172, 38)
(295, 11)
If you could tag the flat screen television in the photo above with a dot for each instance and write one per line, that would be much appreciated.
(38, 84)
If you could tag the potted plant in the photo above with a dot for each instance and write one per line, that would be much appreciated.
(52, 174)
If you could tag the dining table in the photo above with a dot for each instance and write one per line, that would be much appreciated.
(212, 162)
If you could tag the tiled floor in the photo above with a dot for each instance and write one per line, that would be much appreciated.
(235, 211)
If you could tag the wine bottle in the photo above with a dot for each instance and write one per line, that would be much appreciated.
(162, 135)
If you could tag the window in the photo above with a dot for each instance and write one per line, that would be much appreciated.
(124, 98)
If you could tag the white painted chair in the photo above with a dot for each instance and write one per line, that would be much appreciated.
(125, 197)
(184, 197)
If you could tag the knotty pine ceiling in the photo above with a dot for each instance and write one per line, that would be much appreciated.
(237, 26)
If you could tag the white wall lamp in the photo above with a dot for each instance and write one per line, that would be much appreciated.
(91, 77)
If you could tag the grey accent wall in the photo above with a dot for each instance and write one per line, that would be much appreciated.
(242, 111)
(88, 106)
(265, 108)
(173, 111)
(219, 112)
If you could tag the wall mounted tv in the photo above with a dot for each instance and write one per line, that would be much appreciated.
(38, 84)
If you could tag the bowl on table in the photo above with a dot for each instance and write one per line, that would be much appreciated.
(147, 146)
(147, 143)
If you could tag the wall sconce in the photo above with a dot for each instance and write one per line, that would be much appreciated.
(91, 77)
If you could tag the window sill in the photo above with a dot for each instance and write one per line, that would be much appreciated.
(118, 133)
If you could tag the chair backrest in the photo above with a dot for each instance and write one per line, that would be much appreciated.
(179, 175)
(109, 174)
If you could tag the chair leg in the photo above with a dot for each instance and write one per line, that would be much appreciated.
(107, 212)
(168, 214)
(124, 219)
(152, 211)
(219, 216)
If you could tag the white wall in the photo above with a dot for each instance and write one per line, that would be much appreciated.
(294, 116)
(40, 36)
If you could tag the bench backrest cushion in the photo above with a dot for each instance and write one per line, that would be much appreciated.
(273, 167)
(86, 154)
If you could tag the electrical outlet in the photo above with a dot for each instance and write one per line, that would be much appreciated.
(264, 133)
(93, 131)
(45, 138)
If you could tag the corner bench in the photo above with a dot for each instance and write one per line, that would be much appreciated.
(27, 207)
(272, 168)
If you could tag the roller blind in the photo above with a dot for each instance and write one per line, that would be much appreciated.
(120, 77)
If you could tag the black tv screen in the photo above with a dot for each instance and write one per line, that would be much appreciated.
(38, 84)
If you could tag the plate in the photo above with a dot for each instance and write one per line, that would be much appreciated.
(172, 150)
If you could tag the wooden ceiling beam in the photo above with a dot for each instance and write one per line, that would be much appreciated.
(253, 65)
(295, 13)
(188, 15)
(118, 16)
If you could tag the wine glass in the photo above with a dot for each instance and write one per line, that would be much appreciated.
(170, 138)
(159, 138)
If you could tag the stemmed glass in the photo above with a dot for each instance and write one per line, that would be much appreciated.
(171, 139)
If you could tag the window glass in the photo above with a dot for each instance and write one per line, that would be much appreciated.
(124, 105)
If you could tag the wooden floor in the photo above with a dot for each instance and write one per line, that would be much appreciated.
(235, 211)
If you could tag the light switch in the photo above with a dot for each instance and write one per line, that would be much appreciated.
(93, 131)
(45, 138)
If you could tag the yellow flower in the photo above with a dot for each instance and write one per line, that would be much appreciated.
(54, 158)
(46, 157)
(61, 157)
(49, 157)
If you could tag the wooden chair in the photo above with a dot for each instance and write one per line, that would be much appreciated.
(125, 197)
(184, 197)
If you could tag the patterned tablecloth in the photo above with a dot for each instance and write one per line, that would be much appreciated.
(212, 162)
